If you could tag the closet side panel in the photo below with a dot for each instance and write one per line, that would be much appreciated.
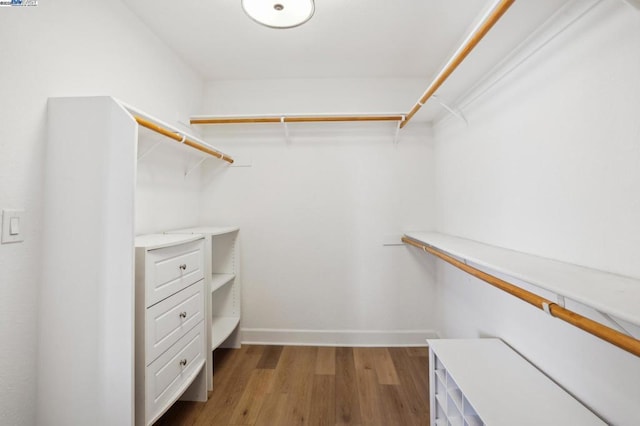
(85, 365)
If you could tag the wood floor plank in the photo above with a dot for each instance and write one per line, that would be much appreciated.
(363, 359)
(296, 366)
(420, 369)
(370, 397)
(347, 399)
(415, 396)
(270, 357)
(301, 365)
(395, 409)
(228, 389)
(385, 369)
(418, 351)
(326, 361)
(379, 360)
(259, 386)
(368, 386)
(323, 400)
(274, 410)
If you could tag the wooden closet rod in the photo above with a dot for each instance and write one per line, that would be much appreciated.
(295, 119)
(612, 336)
(182, 139)
(460, 56)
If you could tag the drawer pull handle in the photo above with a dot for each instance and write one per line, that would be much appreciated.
(183, 314)
(183, 266)
(183, 362)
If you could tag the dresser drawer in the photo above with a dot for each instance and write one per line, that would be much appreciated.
(169, 375)
(171, 269)
(167, 321)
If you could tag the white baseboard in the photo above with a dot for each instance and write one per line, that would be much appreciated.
(265, 336)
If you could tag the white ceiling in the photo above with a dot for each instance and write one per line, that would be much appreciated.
(344, 39)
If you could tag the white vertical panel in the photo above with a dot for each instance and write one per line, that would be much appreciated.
(86, 311)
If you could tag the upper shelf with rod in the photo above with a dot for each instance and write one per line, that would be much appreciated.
(488, 21)
(155, 125)
(615, 297)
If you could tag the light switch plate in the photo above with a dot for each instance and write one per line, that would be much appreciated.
(17, 216)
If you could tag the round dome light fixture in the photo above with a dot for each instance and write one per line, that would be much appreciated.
(279, 13)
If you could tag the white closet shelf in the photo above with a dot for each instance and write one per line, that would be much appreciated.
(608, 293)
(156, 241)
(221, 328)
(210, 230)
(219, 280)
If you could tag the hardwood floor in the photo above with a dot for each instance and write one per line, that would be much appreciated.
(302, 385)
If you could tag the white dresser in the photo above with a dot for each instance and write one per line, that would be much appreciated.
(170, 334)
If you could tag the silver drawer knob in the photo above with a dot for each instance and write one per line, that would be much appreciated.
(183, 266)
(183, 362)
(183, 314)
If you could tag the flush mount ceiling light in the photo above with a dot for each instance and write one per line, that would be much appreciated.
(279, 13)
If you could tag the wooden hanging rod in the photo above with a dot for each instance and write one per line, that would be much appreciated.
(460, 56)
(182, 139)
(295, 119)
(608, 334)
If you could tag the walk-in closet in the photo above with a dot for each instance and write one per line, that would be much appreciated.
(320, 212)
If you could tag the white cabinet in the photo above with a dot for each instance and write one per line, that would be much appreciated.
(485, 382)
(222, 286)
(171, 335)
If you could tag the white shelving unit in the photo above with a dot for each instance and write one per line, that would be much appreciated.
(223, 285)
(87, 317)
(614, 295)
(475, 382)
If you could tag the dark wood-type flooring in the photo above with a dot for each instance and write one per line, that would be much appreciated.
(294, 385)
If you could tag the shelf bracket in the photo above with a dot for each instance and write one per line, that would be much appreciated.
(455, 112)
(188, 172)
(397, 134)
(286, 130)
(148, 151)
(615, 324)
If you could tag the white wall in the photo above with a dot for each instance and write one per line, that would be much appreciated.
(550, 165)
(62, 48)
(168, 185)
(314, 213)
